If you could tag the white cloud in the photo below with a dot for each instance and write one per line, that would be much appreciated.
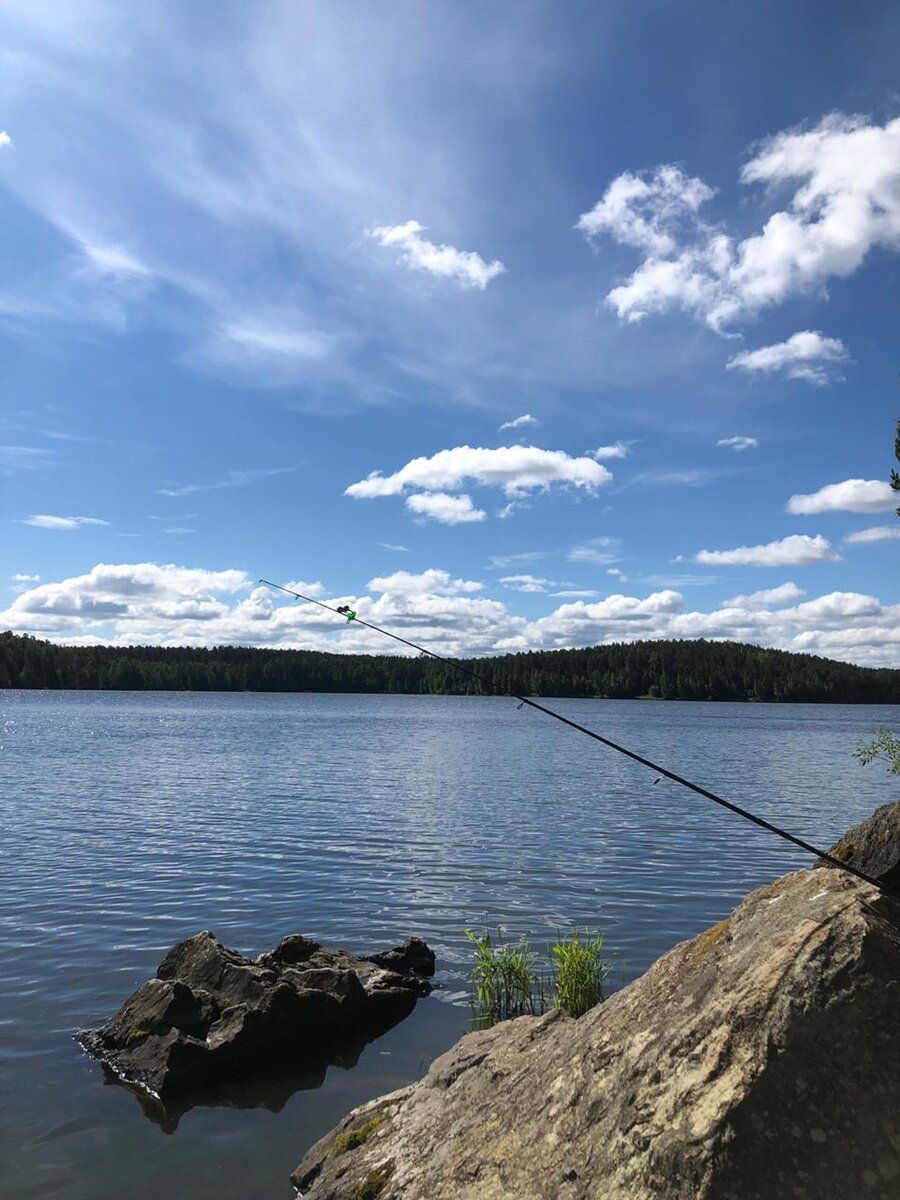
(877, 533)
(18, 578)
(147, 603)
(775, 597)
(465, 266)
(308, 589)
(5, 139)
(394, 547)
(616, 450)
(519, 422)
(738, 443)
(499, 562)
(846, 202)
(807, 355)
(431, 582)
(231, 479)
(853, 495)
(515, 469)
(24, 458)
(527, 583)
(45, 521)
(794, 551)
(599, 550)
(444, 508)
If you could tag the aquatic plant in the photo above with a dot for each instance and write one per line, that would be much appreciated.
(504, 978)
(580, 971)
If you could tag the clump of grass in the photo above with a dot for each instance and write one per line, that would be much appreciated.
(579, 971)
(372, 1186)
(504, 978)
(353, 1137)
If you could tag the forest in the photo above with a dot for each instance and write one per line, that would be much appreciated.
(665, 670)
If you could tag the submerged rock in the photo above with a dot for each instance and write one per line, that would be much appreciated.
(759, 1061)
(212, 1016)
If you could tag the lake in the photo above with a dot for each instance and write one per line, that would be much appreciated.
(132, 820)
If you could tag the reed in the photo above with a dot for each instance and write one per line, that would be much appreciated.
(579, 971)
(503, 976)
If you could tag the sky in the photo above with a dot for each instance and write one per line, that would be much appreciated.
(514, 327)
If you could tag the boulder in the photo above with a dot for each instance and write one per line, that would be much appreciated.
(873, 846)
(758, 1061)
(211, 1016)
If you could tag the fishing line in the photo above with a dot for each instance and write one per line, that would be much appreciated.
(348, 613)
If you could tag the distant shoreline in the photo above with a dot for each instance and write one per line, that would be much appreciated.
(647, 670)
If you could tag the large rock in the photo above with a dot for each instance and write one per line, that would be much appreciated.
(873, 846)
(211, 1016)
(759, 1061)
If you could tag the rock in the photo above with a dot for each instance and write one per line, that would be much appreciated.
(759, 1061)
(873, 846)
(412, 958)
(211, 1016)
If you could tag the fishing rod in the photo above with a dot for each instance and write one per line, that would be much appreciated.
(350, 615)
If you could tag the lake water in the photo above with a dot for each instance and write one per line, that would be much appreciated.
(131, 820)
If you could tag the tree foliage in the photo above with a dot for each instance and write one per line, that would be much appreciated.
(667, 670)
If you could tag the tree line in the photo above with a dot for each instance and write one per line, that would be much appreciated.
(667, 670)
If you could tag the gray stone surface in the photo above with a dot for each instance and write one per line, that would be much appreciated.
(212, 1016)
(758, 1061)
(873, 846)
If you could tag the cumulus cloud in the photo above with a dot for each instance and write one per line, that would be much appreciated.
(444, 508)
(148, 603)
(877, 533)
(794, 551)
(5, 139)
(465, 266)
(775, 597)
(515, 469)
(314, 590)
(738, 443)
(853, 495)
(616, 450)
(519, 422)
(846, 202)
(807, 355)
(46, 521)
(432, 581)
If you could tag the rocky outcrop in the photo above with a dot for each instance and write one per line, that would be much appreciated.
(211, 1016)
(873, 846)
(759, 1061)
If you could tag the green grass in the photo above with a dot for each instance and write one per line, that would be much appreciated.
(353, 1137)
(504, 978)
(579, 971)
(507, 981)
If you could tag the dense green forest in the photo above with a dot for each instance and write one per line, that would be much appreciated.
(693, 670)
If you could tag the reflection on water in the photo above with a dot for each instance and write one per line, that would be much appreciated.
(134, 820)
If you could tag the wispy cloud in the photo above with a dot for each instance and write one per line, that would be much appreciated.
(465, 266)
(738, 443)
(394, 547)
(498, 562)
(25, 458)
(600, 551)
(519, 422)
(5, 139)
(877, 533)
(46, 521)
(230, 479)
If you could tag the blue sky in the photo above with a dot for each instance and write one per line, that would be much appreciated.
(258, 254)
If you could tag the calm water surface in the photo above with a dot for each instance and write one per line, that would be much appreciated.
(131, 820)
